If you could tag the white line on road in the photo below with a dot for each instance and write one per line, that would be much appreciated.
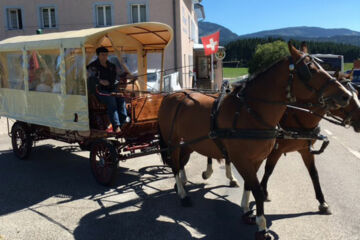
(328, 132)
(355, 153)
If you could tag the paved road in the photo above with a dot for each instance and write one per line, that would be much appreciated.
(54, 196)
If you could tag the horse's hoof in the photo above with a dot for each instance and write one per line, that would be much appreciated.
(267, 198)
(249, 218)
(324, 209)
(262, 235)
(204, 175)
(234, 184)
(186, 202)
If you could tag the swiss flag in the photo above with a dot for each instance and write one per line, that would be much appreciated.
(211, 43)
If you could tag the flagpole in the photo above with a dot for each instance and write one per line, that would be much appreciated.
(212, 72)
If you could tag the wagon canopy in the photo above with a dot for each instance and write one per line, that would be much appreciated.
(148, 36)
(43, 78)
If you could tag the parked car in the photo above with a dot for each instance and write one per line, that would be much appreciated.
(330, 62)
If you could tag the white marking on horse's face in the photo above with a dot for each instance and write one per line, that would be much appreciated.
(261, 223)
(245, 201)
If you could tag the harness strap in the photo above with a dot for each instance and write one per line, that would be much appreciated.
(213, 125)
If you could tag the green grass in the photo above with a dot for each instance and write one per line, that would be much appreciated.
(234, 72)
(348, 66)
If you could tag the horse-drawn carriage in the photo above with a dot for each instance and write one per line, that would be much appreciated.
(45, 88)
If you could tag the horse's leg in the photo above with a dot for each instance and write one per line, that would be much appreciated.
(271, 161)
(252, 182)
(229, 175)
(248, 216)
(184, 158)
(309, 161)
(209, 170)
(176, 166)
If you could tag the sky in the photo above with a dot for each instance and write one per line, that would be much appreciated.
(249, 16)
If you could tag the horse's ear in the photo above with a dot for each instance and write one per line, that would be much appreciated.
(295, 54)
(304, 47)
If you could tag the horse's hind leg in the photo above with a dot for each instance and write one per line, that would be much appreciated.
(271, 161)
(309, 161)
(209, 170)
(229, 175)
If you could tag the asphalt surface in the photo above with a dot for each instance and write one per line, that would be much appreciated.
(53, 195)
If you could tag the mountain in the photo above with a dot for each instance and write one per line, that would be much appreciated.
(307, 32)
(206, 28)
(337, 35)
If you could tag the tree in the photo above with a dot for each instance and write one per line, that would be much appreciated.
(266, 54)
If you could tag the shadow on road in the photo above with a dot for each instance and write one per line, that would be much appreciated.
(58, 172)
(49, 172)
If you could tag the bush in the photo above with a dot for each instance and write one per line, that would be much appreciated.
(266, 54)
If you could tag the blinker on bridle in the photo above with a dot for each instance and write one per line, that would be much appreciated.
(303, 71)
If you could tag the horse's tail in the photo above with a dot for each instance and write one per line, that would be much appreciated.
(164, 151)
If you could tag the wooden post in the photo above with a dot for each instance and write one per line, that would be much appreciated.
(162, 71)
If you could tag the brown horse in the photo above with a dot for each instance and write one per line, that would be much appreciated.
(296, 119)
(305, 123)
(184, 117)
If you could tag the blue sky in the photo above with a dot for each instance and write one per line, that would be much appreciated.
(248, 16)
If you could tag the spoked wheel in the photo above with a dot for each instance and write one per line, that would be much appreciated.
(103, 162)
(21, 140)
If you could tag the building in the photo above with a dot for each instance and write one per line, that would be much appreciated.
(23, 17)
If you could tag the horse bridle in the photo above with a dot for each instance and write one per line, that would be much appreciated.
(348, 115)
(301, 69)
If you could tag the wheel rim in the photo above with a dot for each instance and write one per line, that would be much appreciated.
(102, 163)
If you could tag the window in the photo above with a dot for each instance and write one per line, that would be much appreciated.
(14, 18)
(48, 18)
(138, 13)
(103, 15)
(11, 72)
(44, 71)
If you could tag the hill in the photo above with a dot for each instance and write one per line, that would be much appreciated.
(337, 35)
(206, 28)
(306, 32)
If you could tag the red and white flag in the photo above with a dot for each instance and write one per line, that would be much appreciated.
(211, 43)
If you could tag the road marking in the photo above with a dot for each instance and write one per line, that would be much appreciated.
(355, 153)
(328, 132)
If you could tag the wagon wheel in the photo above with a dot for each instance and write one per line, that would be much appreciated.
(21, 140)
(85, 146)
(103, 162)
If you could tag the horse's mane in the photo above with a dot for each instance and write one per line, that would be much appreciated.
(247, 81)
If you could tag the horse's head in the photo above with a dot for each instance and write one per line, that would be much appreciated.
(308, 81)
(350, 114)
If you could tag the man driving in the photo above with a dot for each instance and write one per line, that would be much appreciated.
(105, 74)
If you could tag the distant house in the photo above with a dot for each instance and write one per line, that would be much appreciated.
(24, 17)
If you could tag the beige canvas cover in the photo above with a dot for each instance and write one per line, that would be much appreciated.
(60, 109)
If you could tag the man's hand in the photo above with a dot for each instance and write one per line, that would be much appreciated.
(104, 82)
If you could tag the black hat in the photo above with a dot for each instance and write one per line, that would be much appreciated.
(101, 49)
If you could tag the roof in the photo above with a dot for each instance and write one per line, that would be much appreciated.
(149, 35)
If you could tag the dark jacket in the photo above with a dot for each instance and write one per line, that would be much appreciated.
(97, 72)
